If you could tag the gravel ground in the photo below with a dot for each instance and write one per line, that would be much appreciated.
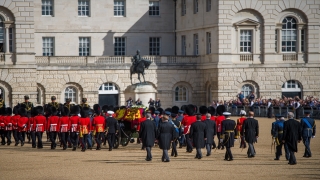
(128, 163)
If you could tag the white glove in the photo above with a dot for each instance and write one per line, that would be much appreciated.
(221, 140)
(313, 136)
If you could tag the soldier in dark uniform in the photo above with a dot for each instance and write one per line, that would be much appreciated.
(2, 103)
(211, 132)
(111, 129)
(291, 135)
(250, 130)
(228, 131)
(27, 104)
(278, 135)
(147, 135)
(165, 136)
(53, 102)
(84, 103)
(198, 134)
(67, 103)
(176, 125)
(308, 129)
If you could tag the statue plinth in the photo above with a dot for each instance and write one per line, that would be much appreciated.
(143, 91)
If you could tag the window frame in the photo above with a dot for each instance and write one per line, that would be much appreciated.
(296, 40)
(75, 92)
(208, 40)
(251, 41)
(303, 40)
(244, 91)
(183, 45)
(81, 6)
(195, 6)
(46, 5)
(183, 7)
(119, 10)
(208, 5)
(297, 86)
(45, 47)
(196, 44)
(115, 46)
(157, 11)
(82, 53)
(178, 98)
(153, 50)
(115, 88)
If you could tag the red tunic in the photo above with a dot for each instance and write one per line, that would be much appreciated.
(213, 118)
(53, 124)
(22, 124)
(73, 123)
(84, 125)
(99, 123)
(140, 120)
(8, 123)
(39, 123)
(219, 120)
(186, 122)
(2, 122)
(64, 124)
(203, 117)
(14, 120)
(240, 122)
(31, 126)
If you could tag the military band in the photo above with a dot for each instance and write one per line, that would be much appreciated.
(165, 127)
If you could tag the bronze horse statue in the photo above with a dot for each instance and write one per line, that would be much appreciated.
(139, 69)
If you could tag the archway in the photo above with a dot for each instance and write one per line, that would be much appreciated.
(109, 94)
(291, 88)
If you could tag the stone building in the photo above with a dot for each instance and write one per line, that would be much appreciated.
(201, 50)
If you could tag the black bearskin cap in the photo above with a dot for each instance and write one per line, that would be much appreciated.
(34, 112)
(203, 110)
(85, 112)
(190, 110)
(23, 112)
(39, 109)
(8, 111)
(221, 109)
(53, 111)
(65, 111)
(105, 108)
(168, 109)
(183, 108)
(74, 110)
(152, 110)
(160, 110)
(97, 109)
(212, 110)
(175, 109)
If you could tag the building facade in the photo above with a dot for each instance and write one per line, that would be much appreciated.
(202, 50)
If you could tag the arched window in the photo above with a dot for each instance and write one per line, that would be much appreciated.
(246, 90)
(180, 93)
(71, 92)
(291, 88)
(289, 34)
(108, 88)
(2, 33)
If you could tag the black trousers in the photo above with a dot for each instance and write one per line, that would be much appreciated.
(228, 155)
(99, 137)
(298, 113)
(15, 135)
(74, 139)
(174, 151)
(22, 136)
(33, 138)
(111, 138)
(292, 157)
(199, 153)
(64, 138)
(189, 143)
(53, 137)
(279, 150)
(251, 151)
(39, 138)
(220, 145)
(84, 141)
(2, 134)
(8, 136)
(269, 112)
(149, 155)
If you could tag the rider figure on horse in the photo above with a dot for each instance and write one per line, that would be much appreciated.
(136, 59)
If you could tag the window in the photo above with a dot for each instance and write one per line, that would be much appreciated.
(108, 88)
(2, 35)
(195, 6)
(38, 96)
(154, 9)
(246, 90)
(289, 34)
(11, 39)
(208, 43)
(47, 7)
(302, 39)
(245, 40)
(71, 92)
(196, 44)
(180, 93)
(183, 46)
(47, 46)
(119, 46)
(208, 5)
(154, 46)
(119, 8)
(291, 84)
(183, 7)
(84, 46)
(83, 7)
(276, 41)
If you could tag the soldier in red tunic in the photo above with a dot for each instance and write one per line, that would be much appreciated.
(31, 127)
(99, 125)
(240, 122)
(8, 124)
(53, 127)
(203, 111)
(64, 126)
(212, 111)
(2, 125)
(189, 119)
(73, 125)
(39, 125)
(219, 119)
(22, 125)
(84, 127)
(14, 120)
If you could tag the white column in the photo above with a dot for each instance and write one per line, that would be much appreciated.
(7, 39)
(299, 40)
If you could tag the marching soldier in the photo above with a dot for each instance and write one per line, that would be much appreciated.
(53, 102)
(308, 128)
(40, 125)
(278, 135)
(111, 129)
(84, 127)
(198, 132)
(165, 135)
(84, 103)
(64, 126)
(31, 127)
(240, 122)
(99, 125)
(2, 125)
(53, 127)
(219, 119)
(27, 104)
(228, 131)
(8, 124)
(186, 122)
(147, 135)
(73, 125)
(211, 132)
(250, 130)
(14, 120)
(22, 125)
(176, 125)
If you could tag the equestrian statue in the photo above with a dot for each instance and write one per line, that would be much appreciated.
(138, 66)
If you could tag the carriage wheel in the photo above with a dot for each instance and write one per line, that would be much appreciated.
(125, 140)
(116, 142)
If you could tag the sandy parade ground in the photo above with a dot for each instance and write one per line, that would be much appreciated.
(129, 162)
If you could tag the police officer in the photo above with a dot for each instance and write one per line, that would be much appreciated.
(308, 129)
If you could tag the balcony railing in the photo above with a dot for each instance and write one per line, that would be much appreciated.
(246, 57)
(290, 57)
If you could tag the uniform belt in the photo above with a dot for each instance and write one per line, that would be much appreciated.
(229, 131)
(53, 124)
(280, 132)
(39, 124)
(64, 125)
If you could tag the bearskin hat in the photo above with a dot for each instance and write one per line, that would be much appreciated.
(85, 112)
(175, 109)
(23, 112)
(23, 106)
(34, 112)
(110, 108)
(8, 111)
(2, 111)
(168, 109)
(53, 111)
(65, 111)
(212, 110)
(221, 109)
(190, 110)
(74, 110)
(115, 109)
(183, 108)
(160, 110)
(39, 110)
(97, 109)
(105, 108)
(16, 109)
(152, 110)
(203, 110)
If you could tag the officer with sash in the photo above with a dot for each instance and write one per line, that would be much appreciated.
(176, 125)
(67, 104)
(278, 135)
(308, 129)
(227, 138)
(53, 102)
(27, 104)
(84, 103)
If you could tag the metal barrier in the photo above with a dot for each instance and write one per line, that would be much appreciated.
(262, 111)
